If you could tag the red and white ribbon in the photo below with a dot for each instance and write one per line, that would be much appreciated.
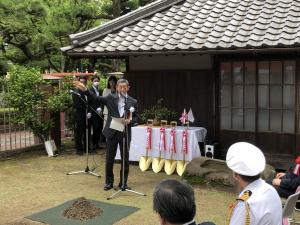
(185, 141)
(149, 138)
(296, 169)
(173, 141)
(162, 140)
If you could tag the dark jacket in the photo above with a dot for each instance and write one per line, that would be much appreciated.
(290, 181)
(204, 223)
(95, 104)
(111, 102)
(79, 105)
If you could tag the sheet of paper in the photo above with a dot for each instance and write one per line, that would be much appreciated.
(117, 124)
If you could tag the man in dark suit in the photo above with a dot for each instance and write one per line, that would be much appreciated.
(174, 202)
(118, 105)
(96, 122)
(80, 115)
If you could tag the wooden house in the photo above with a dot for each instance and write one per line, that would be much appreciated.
(234, 62)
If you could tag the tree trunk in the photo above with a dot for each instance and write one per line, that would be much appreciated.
(116, 8)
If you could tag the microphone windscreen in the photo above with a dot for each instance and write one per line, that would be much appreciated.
(131, 109)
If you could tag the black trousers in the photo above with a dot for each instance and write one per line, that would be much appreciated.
(97, 124)
(112, 145)
(80, 133)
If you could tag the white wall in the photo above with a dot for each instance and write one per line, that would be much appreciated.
(170, 62)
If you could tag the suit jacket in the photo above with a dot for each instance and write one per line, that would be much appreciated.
(95, 104)
(111, 102)
(79, 105)
(204, 223)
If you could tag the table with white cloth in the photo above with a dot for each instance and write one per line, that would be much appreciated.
(139, 140)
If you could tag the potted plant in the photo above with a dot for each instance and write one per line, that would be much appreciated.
(158, 112)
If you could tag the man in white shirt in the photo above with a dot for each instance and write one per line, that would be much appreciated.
(258, 202)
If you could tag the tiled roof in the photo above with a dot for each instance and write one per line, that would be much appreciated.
(192, 25)
(61, 75)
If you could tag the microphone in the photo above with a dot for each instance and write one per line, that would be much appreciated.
(132, 109)
(75, 93)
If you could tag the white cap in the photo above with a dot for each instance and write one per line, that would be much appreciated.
(245, 159)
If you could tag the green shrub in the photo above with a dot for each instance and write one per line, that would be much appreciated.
(26, 96)
(159, 112)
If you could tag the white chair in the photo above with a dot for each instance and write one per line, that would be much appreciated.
(289, 208)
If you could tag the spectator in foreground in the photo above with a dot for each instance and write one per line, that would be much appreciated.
(258, 202)
(287, 183)
(174, 202)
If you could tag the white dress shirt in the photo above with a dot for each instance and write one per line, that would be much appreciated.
(265, 206)
(121, 104)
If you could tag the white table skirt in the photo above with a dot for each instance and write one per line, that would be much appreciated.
(139, 136)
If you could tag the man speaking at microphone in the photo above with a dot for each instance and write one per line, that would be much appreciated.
(121, 108)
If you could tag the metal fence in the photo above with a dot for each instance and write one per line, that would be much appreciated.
(65, 131)
(14, 136)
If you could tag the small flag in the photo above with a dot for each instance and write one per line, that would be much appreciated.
(191, 116)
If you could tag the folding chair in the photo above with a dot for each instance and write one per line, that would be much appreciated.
(297, 190)
(289, 208)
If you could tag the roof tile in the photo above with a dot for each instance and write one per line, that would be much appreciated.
(207, 24)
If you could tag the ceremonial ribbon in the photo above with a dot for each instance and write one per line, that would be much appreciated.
(162, 140)
(149, 138)
(296, 169)
(183, 118)
(185, 141)
(173, 141)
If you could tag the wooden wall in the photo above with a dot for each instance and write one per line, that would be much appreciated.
(179, 89)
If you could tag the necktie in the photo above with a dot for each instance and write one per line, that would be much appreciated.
(121, 105)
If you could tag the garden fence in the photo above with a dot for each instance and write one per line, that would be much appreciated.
(12, 136)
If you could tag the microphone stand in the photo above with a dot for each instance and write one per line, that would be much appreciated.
(125, 138)
(87, 169)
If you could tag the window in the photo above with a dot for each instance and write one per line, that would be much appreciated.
(258, 95)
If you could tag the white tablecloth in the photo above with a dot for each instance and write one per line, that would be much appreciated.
(139, 136)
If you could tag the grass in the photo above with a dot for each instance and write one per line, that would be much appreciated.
(32, 182)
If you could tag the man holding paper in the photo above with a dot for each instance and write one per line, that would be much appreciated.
(122, 111)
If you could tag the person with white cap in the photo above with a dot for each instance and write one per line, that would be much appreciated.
(258, 202)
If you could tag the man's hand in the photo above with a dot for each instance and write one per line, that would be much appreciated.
(279, 175)
(99, 110)
(126, 121)
(276, 182)
(79, 85)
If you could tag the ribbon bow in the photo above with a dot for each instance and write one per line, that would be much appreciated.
(149, 138)
(185, 141)
(162, 140)
(173, 141)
